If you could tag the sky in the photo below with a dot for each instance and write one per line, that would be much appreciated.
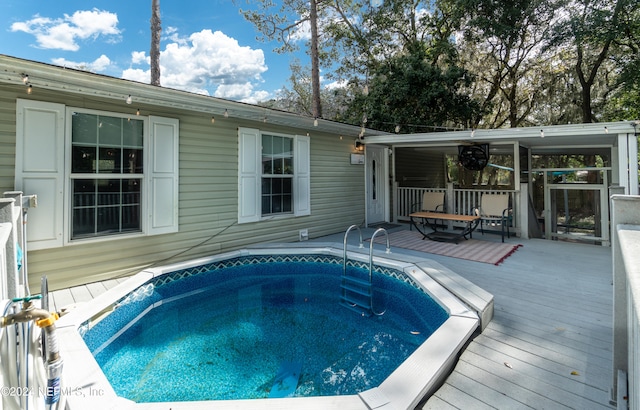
(207, 47)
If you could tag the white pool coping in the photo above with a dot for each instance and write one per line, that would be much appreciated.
(86, 387)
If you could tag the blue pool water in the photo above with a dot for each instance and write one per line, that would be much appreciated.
(223, 332)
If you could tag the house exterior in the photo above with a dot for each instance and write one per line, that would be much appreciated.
(129, 175)
(558, 178)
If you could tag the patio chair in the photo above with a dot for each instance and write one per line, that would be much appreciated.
(494, 210)
(431, 202)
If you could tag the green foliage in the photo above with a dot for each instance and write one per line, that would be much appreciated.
(410, 92)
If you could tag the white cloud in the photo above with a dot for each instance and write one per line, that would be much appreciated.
(100, 64)
(139, 57)
(64, 33)
(207, 61)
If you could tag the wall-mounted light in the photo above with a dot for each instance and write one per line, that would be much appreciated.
(226, 113)
(128, 100)
(359, 146)
(29, 89)
(138, 111)
(213, 119)
(606, 130)
(473, 133)
(397, 129)
(315, 122)
(541, 133)
(25, 79)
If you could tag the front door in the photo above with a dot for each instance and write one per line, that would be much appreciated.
(377, 169)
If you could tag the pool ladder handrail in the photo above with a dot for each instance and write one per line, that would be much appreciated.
(369, 285)
(388, 250)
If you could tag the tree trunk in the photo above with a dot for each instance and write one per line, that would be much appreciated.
(154, 53)
(316, 106)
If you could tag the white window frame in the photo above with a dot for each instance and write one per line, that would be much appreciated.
(250, 176)
(43, 167)
(70, 176)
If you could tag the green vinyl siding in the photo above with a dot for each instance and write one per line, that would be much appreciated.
(208, 195)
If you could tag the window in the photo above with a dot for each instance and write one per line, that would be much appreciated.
(106, 175)
(277, 174)
(97, 174)
(273, 177)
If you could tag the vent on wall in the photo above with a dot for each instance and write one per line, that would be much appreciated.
(473, 157)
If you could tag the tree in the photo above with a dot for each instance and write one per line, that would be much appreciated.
(154, 53)
(411, 92)
(502, 47)
(591, 28)
(283, 26)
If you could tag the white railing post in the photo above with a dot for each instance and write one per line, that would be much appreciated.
(625, 222)
(10, 268)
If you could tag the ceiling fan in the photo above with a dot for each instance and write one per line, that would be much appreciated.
(473, 157)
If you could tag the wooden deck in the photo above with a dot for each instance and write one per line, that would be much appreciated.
(549, 344)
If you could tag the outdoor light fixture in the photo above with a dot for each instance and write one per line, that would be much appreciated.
(213, 119)
(541, 133)
(128, 100)
(25, 78)
(138, 111)
(397, 129)
(226, 113)
(473, 133)
(315, 122)
(358, 145)
(29, 89)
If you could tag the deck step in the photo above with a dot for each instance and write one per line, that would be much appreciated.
(359, 289)
(359, 309)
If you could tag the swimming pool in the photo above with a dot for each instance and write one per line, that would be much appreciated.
(421, 361)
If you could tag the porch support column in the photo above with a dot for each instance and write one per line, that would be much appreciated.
(628, 167)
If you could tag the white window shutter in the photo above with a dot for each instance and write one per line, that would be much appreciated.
(302, 175)
(162, 175)
(40, 169)
(249, 175)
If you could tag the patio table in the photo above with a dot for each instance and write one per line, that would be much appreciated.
(429, 220)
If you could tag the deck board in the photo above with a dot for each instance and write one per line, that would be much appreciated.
(552, 316)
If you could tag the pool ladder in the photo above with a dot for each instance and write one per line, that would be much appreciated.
(357, 293)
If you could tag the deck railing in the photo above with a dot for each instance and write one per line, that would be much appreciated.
(625, 214)
(459, 201)
(10, 240)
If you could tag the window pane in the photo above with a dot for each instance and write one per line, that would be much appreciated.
(132, 132)
(288, 166)
(266, 204)
(132, 161)
(109, 192)
(108, 220)
(267, 165)
(267, 150)
(109, 160)
(83, 160)
(84, 193)
(83, 222)
(131, 191)
(110, 131)
(131, 218)
(287, 185)
(286, 203)
(84, 128)
(276, 186)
